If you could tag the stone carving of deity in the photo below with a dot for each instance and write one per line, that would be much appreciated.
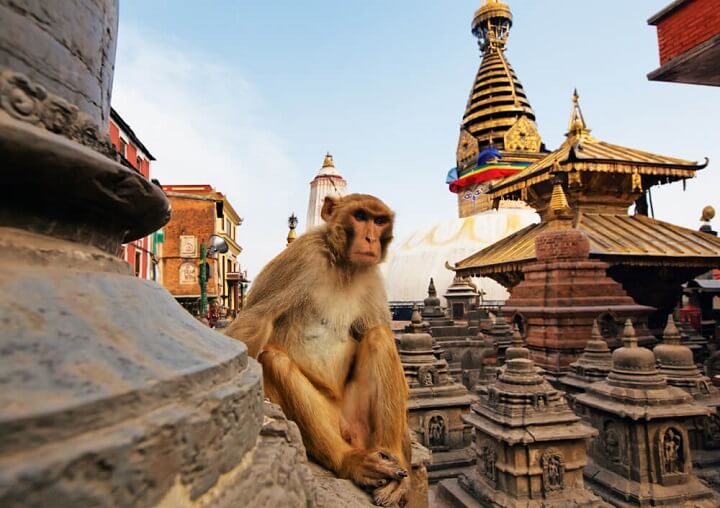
(672, 451)
(437, 432)
(610, 443)
(486, 462)
(712, 427)
(553, 471)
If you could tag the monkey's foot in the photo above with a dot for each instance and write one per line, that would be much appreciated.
(395, 492)
(372, 468)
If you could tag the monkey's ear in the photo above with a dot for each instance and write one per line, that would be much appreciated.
(328, 207)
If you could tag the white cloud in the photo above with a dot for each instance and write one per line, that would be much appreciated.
(203, 121)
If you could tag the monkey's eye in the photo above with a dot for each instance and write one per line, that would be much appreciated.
(381, 220)
(360, 215)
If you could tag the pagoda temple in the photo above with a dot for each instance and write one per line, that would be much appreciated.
(650, 258)
(498, 135)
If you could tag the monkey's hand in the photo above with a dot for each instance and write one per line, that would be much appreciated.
(395, 492)
(372, 468)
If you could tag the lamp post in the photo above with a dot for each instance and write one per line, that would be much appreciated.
(217, 244)
(292, 224)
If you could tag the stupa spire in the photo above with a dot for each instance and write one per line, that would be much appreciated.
(497, 100)
(577, 126)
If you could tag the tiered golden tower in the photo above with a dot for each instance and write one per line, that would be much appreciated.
(498, 116)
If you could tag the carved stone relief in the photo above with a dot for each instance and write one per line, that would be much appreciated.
(672, 451)
(553, 468)
(437, 432)
(487, 461)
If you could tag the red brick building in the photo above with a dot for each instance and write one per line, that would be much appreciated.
(134, 155)
(689, 42)
(199, 211)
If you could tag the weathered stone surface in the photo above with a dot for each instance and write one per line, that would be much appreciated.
(436, 402)
(642, 456)
(529, 445)
(66, 47)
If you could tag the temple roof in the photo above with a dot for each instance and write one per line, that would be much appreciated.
(613, 238)
(582, 152)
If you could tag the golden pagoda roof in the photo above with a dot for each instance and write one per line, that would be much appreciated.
(582, 152)
(634, 240)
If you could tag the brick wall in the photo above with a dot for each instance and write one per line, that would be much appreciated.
(191, 216)
(692, 23)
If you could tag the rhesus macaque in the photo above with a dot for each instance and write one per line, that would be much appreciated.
(318, 322)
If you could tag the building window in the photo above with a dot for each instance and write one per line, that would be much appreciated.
(138, 260)
(139, 162)
(123, 147)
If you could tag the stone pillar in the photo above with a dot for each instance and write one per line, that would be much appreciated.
(111, 394)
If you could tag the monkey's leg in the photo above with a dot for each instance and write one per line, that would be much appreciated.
(319, 420)
(378, 386)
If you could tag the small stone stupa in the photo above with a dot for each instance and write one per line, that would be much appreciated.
(675, 362)
(432, 311)
(642, 456)
(530, 446)
(501, 333)
(436, 402)
(594, 365)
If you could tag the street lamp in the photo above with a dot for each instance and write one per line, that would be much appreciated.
(292, 224)
(217, 244)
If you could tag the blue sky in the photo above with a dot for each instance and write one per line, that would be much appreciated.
(248, 96)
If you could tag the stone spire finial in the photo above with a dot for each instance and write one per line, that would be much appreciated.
(432, 292)
(671, 334)
(629, 337)
(415, 318)
(517, 349)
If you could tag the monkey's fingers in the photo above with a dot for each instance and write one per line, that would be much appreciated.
(395, 492)
(385, 464)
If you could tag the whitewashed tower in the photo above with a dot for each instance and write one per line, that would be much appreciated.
(328, 182)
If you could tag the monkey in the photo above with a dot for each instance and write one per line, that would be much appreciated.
(318, 322)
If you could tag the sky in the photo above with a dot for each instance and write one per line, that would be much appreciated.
(248, 96)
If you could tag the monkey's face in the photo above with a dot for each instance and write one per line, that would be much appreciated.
(368, 233)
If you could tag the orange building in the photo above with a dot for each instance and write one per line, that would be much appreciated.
(198, 212)
(140, 254)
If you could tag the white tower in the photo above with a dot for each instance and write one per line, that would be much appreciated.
(328, 182)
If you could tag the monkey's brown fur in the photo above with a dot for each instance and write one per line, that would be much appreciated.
(317, 320)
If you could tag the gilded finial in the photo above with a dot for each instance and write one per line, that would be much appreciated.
(708, 213)
(328, 162)
(629, 338)
(558, 201)
(577, 126)
(671, 334)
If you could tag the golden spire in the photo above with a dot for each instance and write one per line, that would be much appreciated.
(328, 162)
(577, 126)
(558, 202)
(497, 100)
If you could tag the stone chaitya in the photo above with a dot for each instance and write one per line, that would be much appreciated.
(462, 297)
(642, 456)
(530, 446)
(501, 334)
(436, 402)
(110, 393)
(459, 347)
(592, 366)
(675, 362)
